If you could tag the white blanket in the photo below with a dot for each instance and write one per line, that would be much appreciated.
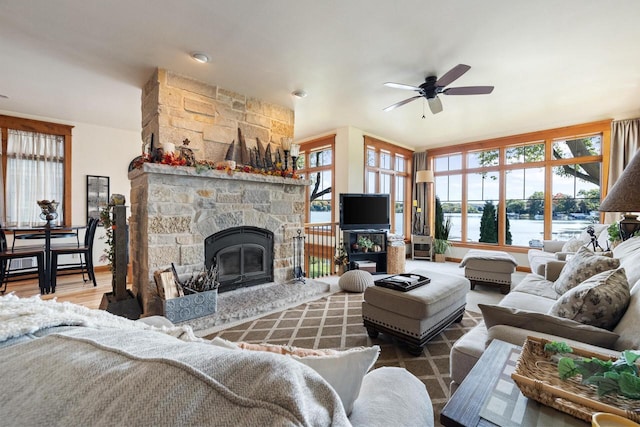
(20, 316)
(121, 372)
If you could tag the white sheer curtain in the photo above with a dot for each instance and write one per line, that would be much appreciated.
(35, 171)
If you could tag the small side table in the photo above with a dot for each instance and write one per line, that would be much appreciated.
(396, 259)
(421, 247)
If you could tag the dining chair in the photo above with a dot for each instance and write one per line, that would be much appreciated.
(7, 255)
(85, 257)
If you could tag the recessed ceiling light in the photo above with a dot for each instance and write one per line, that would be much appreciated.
(202, 58)
(299, 93)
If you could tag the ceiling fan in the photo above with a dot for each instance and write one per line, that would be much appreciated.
(433, 86)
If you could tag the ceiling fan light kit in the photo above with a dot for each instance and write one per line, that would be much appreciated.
(434, 86)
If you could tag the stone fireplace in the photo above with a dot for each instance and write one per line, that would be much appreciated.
(175, 210)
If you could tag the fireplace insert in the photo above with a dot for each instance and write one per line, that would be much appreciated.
(244, 256)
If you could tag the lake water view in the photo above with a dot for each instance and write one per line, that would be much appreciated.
(522, 230)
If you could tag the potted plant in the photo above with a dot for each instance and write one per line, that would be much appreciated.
(441, 241)
(614, 235)
(341, 259)
(365, 243)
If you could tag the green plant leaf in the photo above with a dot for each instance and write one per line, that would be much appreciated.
(629, 385)
(567, 368)
(558, 347)
(590, 367)
(605, 385)
(630, 356)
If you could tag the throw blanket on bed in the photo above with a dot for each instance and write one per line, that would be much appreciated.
(128, 374)
(20, 316)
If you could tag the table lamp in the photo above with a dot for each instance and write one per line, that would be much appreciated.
(624, 196)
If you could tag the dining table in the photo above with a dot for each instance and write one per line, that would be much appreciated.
(45, 232)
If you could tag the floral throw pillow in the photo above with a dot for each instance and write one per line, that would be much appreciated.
(599, 301)
(584, 264)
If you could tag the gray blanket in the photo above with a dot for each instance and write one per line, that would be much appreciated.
(86, 376)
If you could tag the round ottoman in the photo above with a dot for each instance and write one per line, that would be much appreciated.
(355, 281)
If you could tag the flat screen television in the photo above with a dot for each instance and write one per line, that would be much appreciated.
(364, 211)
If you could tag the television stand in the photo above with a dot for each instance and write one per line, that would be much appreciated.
(376, 254)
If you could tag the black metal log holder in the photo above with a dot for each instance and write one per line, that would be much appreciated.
(298, 253)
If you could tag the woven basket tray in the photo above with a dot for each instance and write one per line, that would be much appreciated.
(537, 377)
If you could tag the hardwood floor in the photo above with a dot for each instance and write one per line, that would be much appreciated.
(69, 288)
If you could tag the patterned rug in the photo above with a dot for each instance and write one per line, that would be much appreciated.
(335, 321)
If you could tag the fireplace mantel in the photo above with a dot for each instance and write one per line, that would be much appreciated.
(173, 209)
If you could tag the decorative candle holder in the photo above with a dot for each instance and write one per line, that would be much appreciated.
(286, 147)
(295, 153)
(49, 210)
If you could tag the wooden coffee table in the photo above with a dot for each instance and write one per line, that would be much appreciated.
(463, 409)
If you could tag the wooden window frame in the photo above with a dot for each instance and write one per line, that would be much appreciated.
(306, 148)
(395, 150)
(37, 126)
(547, 137)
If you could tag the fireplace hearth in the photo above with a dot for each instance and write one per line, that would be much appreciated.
(244, 256)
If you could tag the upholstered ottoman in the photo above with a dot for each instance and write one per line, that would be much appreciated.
(416, 316)
(490, 268)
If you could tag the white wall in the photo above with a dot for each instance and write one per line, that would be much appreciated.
(96, 150)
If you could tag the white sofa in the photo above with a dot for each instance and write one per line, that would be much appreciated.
(525, 310)
(107, 370)
(554, 250)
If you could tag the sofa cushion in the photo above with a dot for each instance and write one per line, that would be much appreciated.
(599, 301)
(584, 264)
(628, 252)
(343, 370)
(539, 322)
(627, 328)
(533, 284)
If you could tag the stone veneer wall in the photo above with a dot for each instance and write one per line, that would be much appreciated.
(173, 209)
(175, 107)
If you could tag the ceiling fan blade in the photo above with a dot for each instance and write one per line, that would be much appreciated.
(401, 86)
(435, 105)
(468, 90)
(401, 103)
(452, 74)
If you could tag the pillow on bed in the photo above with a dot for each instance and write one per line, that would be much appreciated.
(599, 301)
(343, 370)
(584, 264)
(547, 324)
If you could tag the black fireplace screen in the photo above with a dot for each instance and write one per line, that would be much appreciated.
(244, 256)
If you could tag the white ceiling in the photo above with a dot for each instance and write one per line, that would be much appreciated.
(553, 63)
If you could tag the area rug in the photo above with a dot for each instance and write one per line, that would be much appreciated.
(246, 303)
(335, 321)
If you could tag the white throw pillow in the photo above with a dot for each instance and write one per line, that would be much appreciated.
(343, 370)
(598, 301)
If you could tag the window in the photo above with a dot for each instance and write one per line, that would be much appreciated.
(514, 190)
(316, 164)
(33, 167)
(386, 172)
